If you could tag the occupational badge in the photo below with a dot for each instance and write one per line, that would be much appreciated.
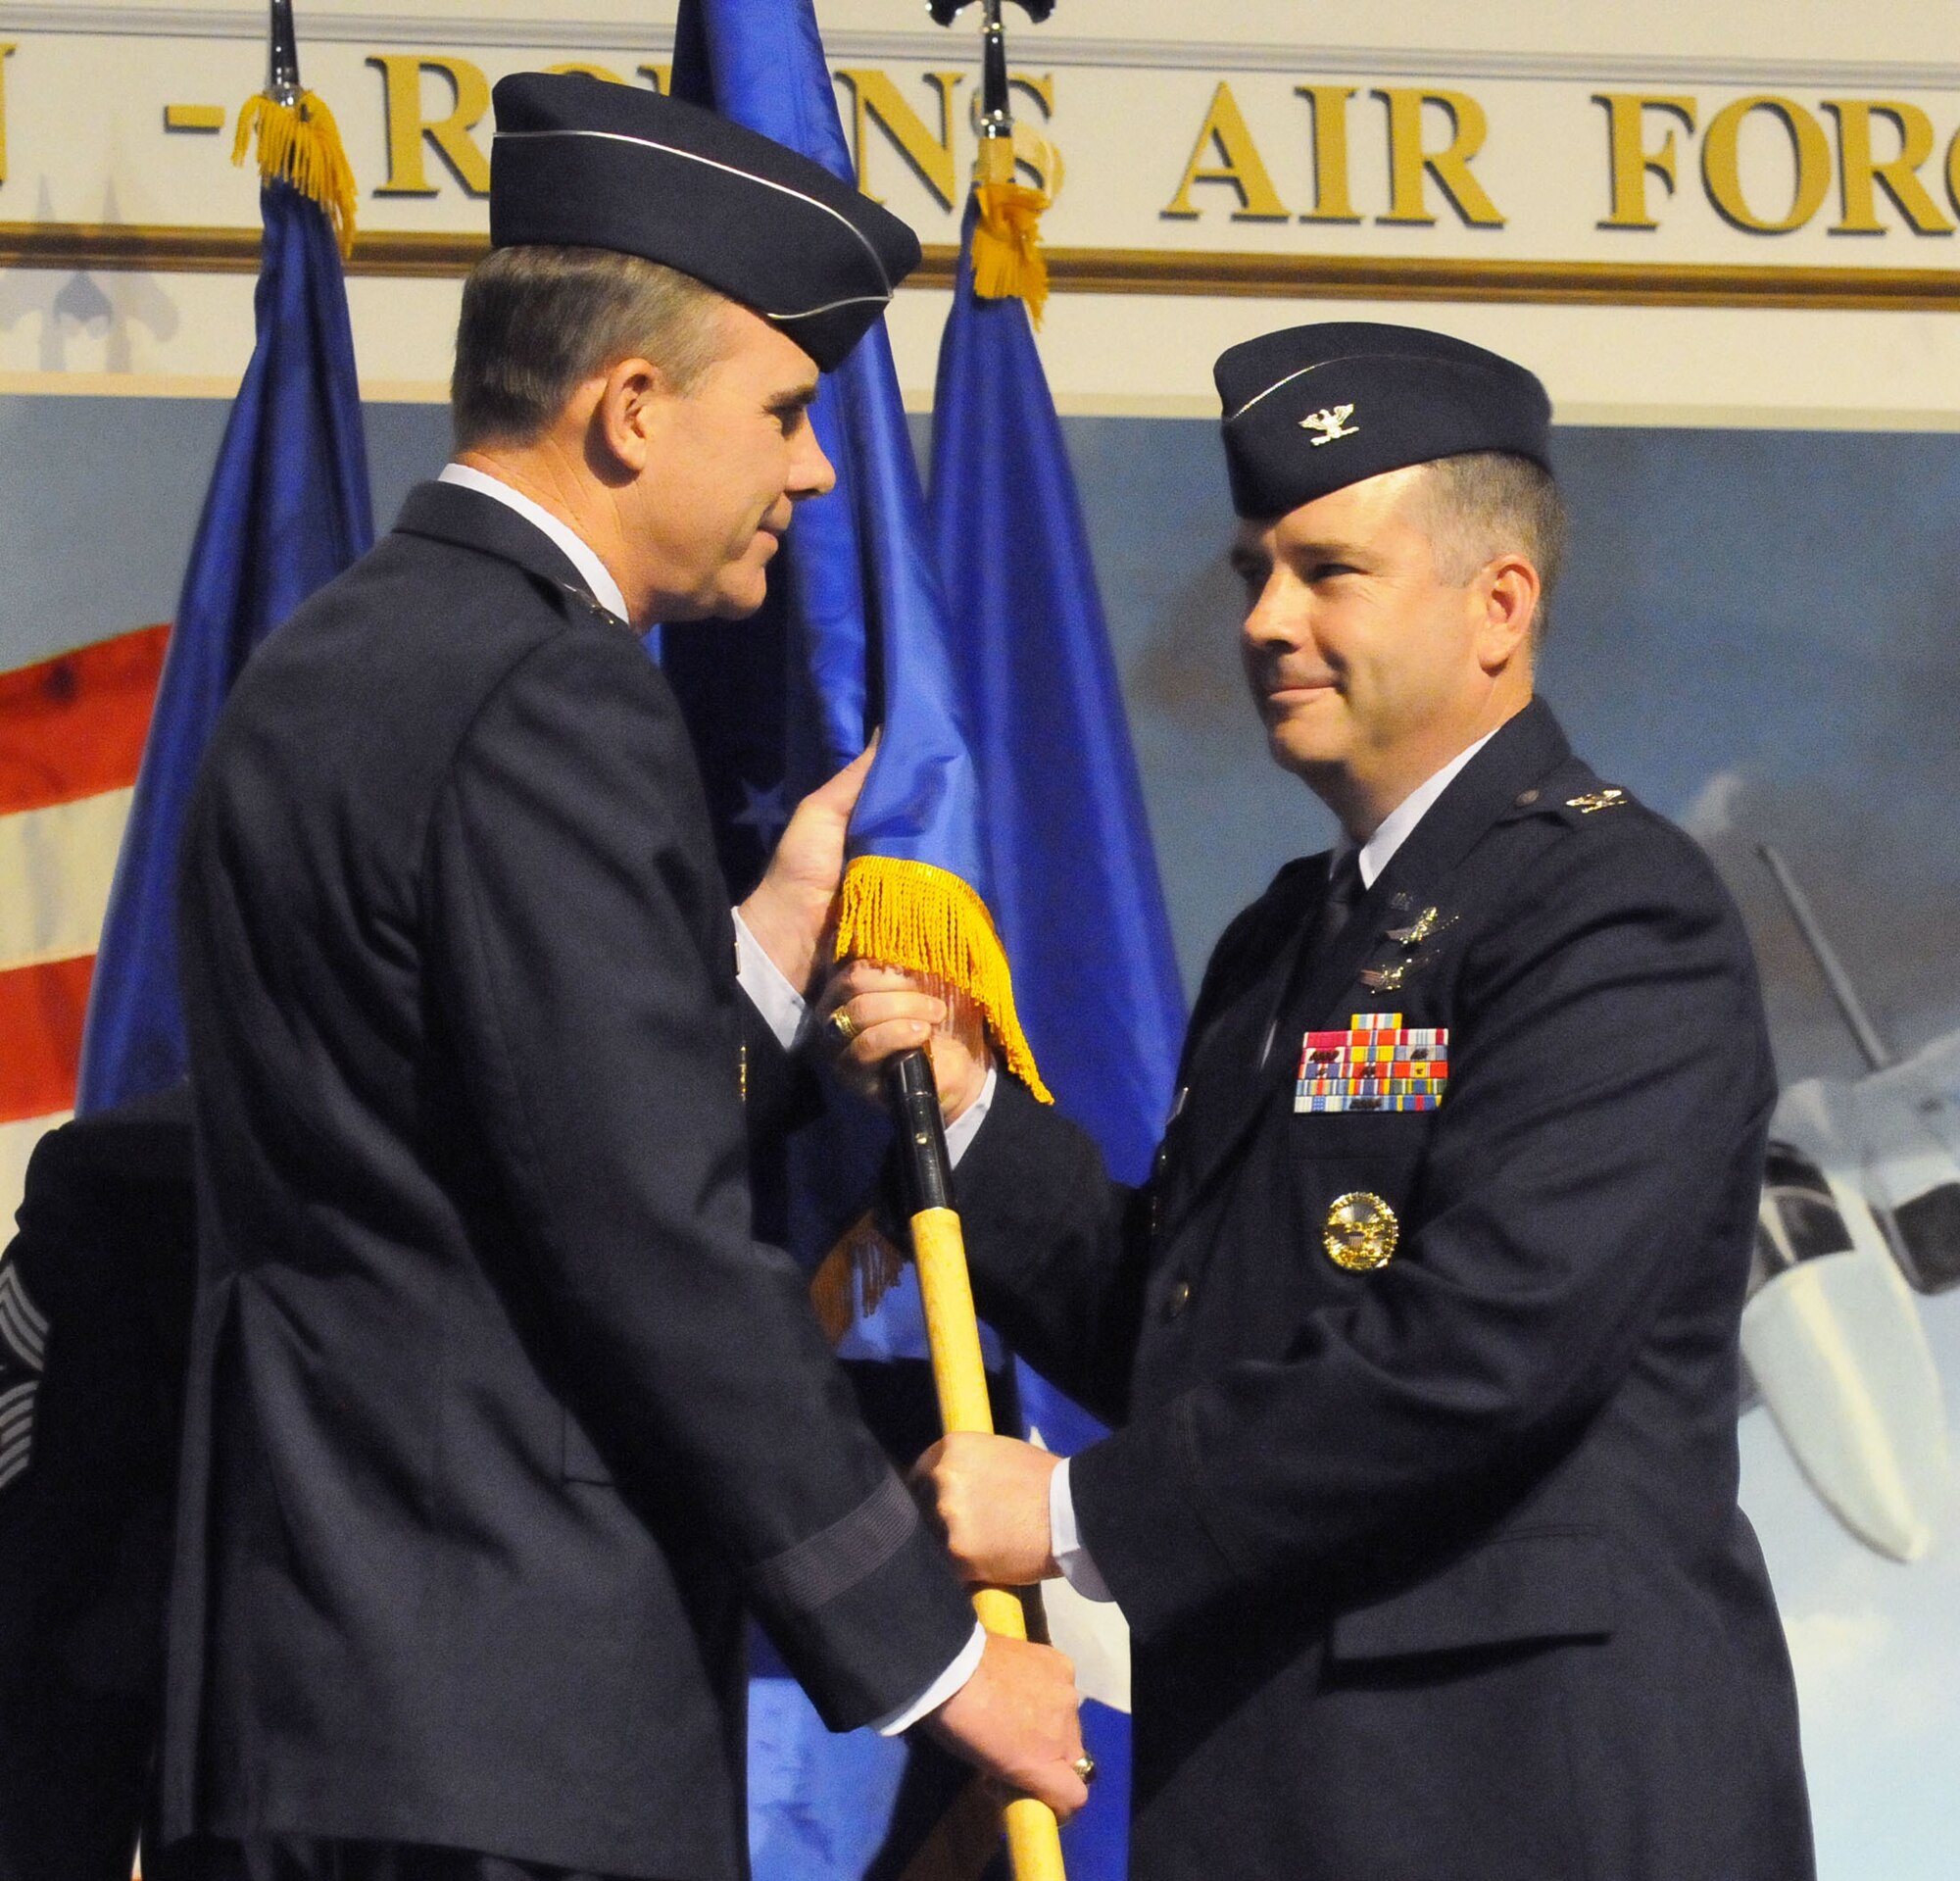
(1426, 927)
(1597, 800)
(1377, 1063)
(1391, 976)
(1361, 1232)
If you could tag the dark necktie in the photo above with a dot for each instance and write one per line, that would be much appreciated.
(1344, 890)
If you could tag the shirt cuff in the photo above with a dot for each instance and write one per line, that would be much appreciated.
(961, 1132)
(1064, 1540)
(767, 987)
(950, 1681)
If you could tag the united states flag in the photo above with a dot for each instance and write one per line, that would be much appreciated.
(71, 734)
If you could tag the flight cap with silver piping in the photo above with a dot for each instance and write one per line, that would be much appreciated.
(584, 163)
(1313, 409)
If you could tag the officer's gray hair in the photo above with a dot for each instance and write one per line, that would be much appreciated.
(1489, 503)
(538, 322)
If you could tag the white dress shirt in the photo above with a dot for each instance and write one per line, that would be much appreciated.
(578, 551)
(768, 989)
(1064, 1538)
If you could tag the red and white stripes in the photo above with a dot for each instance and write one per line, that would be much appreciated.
(71, 732)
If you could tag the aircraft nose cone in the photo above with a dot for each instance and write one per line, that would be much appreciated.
(1837, 1347)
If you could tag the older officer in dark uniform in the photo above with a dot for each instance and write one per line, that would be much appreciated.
(498, 1416)
(1421, 1342)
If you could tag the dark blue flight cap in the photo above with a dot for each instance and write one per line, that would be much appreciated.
(580, 162)
(1313, 409)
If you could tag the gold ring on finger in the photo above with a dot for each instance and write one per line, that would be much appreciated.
(844, 1025)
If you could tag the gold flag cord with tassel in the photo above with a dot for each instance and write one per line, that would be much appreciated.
(853, 1279)
(923, 920)
(1008, 261)
(299, 144)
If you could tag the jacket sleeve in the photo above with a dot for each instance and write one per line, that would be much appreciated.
(1058, 1251)
(1602, 1134)
(779, 1091)
(584, 957)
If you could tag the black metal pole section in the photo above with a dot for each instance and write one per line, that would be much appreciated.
(924, 1168)
(996, 120)
(284, 77)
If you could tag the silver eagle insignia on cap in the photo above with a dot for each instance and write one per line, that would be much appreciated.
(1331, 421)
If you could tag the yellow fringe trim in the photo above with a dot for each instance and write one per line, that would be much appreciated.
(853, 1278)
(927, 921)
(1007, 246)
(300, 144)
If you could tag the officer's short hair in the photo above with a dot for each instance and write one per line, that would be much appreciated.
(539, 320)
(1484, 504)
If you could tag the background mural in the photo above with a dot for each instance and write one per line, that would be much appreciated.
(1759, 635)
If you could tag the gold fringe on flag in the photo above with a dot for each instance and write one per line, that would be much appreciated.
(854, 1277)
(926, 920)
(300, 144)
(1006, 245)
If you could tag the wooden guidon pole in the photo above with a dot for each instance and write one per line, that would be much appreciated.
(952, 1335)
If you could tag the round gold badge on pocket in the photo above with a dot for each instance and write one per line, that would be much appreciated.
(1361, 1232)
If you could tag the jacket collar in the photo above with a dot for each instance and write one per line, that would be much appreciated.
(1491, 788)
(470, 520)
(1503, 781)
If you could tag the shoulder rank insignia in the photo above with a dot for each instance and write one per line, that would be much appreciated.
(1361, 1232)
(1609, 799)
(1377, 1063)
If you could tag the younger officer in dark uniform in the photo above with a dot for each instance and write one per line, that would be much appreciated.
(1421, 1342)
(498, 1416)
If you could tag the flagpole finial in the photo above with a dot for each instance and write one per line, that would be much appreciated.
(283, 80)
(945, 12)
(1006, 243)
(997, 118)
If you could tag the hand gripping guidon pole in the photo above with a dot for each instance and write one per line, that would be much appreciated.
(952, 1335)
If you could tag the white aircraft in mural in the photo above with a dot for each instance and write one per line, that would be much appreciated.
(1860, 1210)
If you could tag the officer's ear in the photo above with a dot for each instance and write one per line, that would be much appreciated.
(631, 402)
(1507, 592)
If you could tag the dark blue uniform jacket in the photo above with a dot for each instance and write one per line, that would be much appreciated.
(1437, 1569)
(95, 1294)
(498, 1414)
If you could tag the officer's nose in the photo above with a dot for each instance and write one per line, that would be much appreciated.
(812, 473)
(1271, 619)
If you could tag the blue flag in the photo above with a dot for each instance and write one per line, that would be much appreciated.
(856, 632)
(869, 608)
(1068, 853)
(774, 707)
(288, 510)
(1067, 845)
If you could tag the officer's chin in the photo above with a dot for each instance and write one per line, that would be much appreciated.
(739, 596)
(1311, 760)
